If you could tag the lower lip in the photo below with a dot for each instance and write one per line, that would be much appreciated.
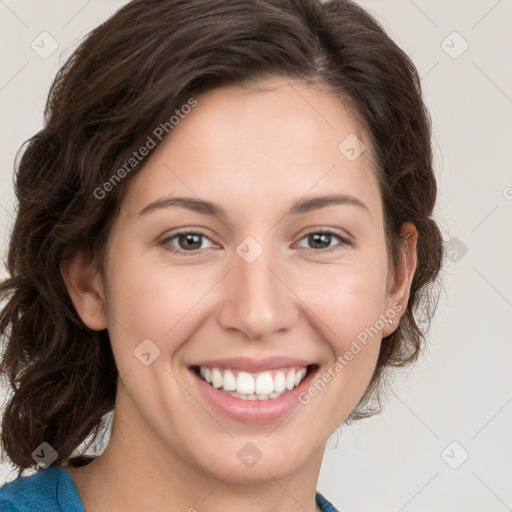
(253, 411)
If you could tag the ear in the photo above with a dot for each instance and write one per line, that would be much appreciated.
(85, 287)
(404, 270)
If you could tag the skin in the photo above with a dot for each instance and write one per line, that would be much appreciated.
(254, 152)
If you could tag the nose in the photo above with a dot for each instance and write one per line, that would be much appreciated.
(257, 300)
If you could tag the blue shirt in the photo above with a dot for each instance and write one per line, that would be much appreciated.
(52, 489)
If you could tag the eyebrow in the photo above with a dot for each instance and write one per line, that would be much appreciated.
(300, 207)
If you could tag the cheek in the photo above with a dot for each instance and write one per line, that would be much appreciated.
(348, 304)
(348, 299)
(151, 300)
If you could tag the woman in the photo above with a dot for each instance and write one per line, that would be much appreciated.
(224, 230)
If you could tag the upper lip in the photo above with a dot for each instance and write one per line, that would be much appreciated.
(249, 364)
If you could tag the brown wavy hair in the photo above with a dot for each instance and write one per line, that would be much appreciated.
(128, 76)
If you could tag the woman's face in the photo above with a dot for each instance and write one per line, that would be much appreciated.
(256, 289)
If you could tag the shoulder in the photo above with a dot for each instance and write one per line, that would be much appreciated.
(324, 504)
(46, 490)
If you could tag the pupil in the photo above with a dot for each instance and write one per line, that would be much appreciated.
(315, 236)
(192, 236)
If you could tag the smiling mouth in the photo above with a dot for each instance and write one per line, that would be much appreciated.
(264, 385)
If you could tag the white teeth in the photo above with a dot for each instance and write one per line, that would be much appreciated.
(264, 384)
(246, 386)
(229, 383)
(299, 376)
(279, 382)
(290, 379)
(245, 383)
(217, 379)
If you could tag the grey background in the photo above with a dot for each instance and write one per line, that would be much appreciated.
(461, 389)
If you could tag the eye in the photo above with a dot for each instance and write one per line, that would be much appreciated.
(318, 239)
(191, 241)
(188, 241)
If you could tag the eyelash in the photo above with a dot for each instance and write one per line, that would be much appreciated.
(344, 241)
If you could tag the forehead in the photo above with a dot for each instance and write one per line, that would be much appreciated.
(268, 143)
